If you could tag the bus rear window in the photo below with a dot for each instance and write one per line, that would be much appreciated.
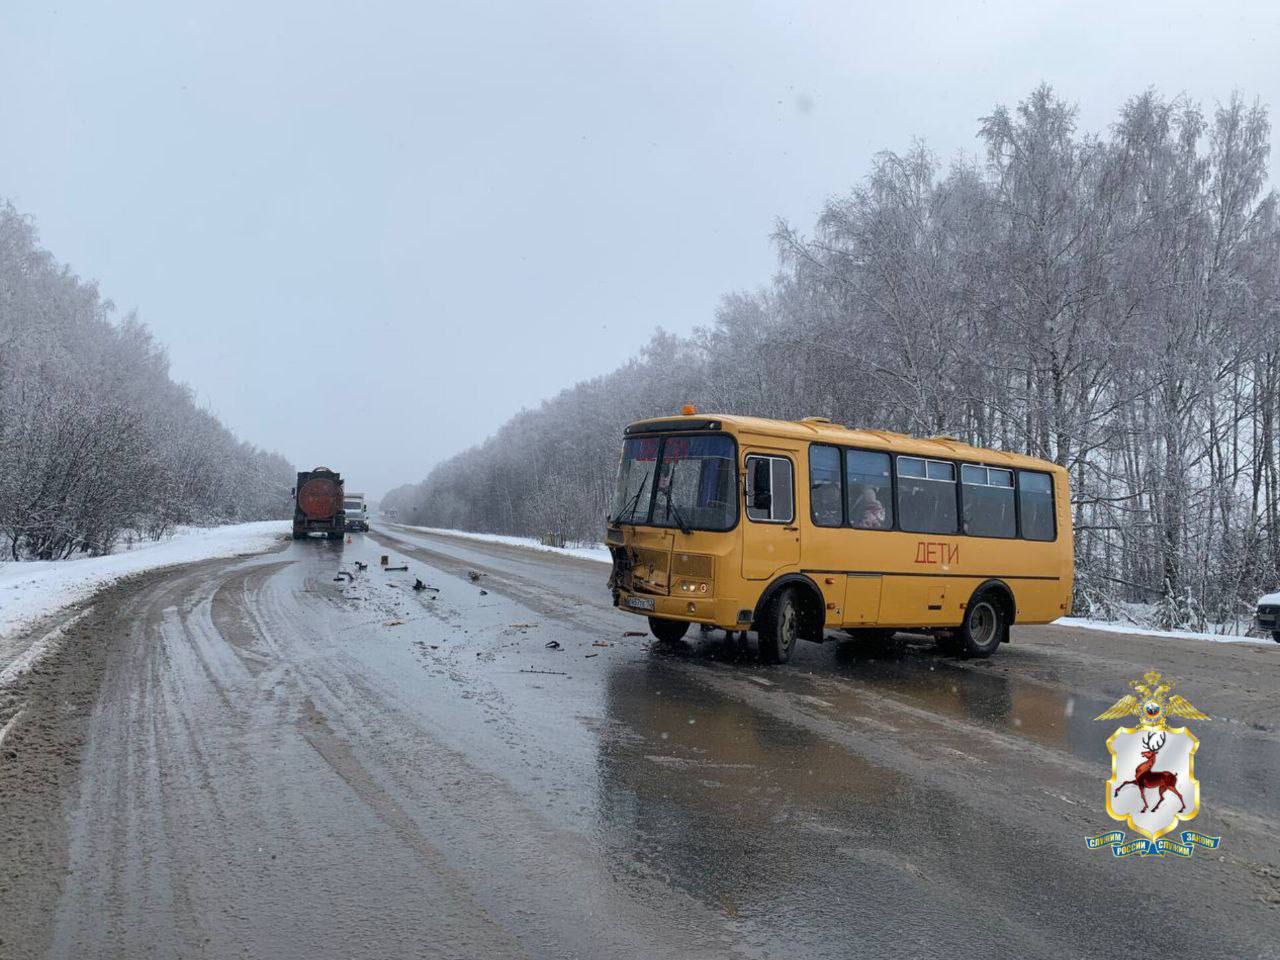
(1035, 505)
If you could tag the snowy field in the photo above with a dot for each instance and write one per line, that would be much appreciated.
(30, 590)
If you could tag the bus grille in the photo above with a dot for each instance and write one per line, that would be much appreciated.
(693, 565)
(651, 570)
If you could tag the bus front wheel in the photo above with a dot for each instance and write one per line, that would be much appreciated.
(668, 631)
(983, 628)
(780, 627)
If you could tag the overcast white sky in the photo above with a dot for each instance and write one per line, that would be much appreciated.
(368, 233)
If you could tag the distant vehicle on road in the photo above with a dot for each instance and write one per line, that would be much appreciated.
(790, 528)
(357, 511)
(1268, 615)
(318, 504)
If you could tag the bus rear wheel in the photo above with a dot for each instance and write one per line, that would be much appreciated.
(668, 631)
(779, 627)
(983, 628)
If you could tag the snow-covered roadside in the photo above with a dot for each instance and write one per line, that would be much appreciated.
(1110, 626)
(35, 589)
(595, 552)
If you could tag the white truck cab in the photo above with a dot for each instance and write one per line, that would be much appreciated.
(357, 510)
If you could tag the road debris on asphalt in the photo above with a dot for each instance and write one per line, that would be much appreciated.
(553, 644)
(402, 569)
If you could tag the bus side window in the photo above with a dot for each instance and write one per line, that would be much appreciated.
(926, 495)
(870, 491)
(826, 491)
(988, 501)
(769, 496)
(1035, 505)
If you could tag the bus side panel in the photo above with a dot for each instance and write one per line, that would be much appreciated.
(862, 600)
(1037, 600)
(914, 601)
(832, 587)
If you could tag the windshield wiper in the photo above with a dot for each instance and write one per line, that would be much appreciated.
(671, 504)
(630, 509)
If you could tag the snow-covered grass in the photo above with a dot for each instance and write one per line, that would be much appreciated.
(1139, 618)
(593, 551)
(1111, 626)
(30, 590)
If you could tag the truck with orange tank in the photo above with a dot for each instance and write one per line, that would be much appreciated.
(318, 504)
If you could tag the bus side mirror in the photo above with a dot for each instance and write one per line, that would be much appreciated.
(293, 491)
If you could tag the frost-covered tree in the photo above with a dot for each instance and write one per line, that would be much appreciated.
(1110, 302)
(95, 438)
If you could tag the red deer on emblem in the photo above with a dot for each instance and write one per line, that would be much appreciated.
(1144, 777)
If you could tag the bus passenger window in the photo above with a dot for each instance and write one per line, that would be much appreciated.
(988, 501)
(926, 495)
(869, 489)
(1035, 504)
(769, 494)
(825, 493)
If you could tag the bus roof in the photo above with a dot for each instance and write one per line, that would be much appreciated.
(817, 429)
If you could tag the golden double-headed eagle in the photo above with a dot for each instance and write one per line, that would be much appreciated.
(1152, 702)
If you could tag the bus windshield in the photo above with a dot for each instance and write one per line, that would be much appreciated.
(696, 485)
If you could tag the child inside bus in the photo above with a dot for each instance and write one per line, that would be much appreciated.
(867, 511)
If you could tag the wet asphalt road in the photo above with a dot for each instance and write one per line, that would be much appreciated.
(279, 765)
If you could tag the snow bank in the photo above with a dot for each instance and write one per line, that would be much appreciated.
(1110, 626)
(596, 551)
(35, 589)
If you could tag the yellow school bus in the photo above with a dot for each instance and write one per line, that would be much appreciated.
(794, 528)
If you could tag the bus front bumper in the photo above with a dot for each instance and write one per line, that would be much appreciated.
(718, 612)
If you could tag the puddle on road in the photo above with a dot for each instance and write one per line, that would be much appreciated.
(805, 843)
(1234, 764)
(705, 790)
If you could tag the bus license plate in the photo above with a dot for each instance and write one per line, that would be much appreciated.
(640, 603)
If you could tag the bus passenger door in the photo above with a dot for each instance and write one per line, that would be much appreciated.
(770, 530)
